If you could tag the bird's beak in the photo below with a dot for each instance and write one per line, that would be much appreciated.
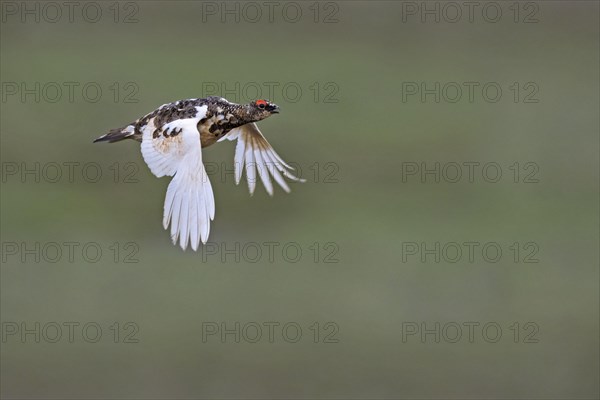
(273, 109)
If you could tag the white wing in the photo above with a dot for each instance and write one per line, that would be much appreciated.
(189, 204)
(256, 153)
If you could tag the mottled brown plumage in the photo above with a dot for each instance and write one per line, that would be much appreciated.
(221, 117)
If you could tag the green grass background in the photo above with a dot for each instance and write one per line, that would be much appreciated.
(368, 213)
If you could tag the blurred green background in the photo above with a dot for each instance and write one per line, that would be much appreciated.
(355, 204)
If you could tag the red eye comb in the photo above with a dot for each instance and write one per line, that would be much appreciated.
(259, 102)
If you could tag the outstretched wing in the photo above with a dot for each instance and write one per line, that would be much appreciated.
(256, 154)
(174, 149)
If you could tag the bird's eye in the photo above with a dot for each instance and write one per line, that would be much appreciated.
(261, 104)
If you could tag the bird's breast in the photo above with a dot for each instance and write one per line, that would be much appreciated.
(215, 127)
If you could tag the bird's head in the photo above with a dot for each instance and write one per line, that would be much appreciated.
(261, 109)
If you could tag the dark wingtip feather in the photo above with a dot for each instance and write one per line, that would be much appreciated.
(115, 135)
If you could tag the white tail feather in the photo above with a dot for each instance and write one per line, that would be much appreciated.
(189, 205)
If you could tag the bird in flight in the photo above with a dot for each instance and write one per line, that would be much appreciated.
(172, 139)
